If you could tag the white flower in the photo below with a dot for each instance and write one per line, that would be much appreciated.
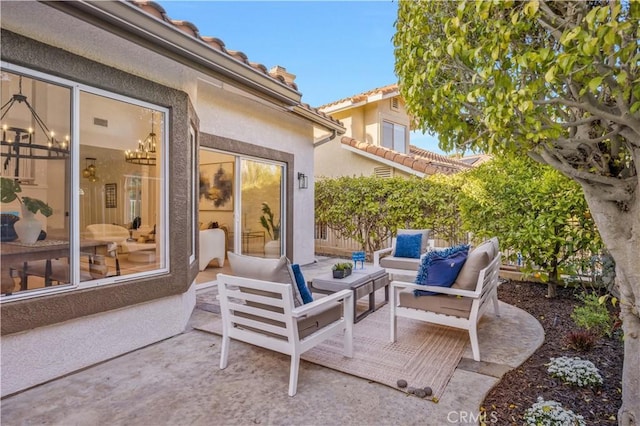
(574, 370)
(551, 413)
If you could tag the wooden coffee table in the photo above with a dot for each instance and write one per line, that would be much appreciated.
(363, 282)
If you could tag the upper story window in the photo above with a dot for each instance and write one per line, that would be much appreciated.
(394, 136)
(101, 214)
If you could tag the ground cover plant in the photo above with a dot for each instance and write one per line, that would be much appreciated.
(520, 389)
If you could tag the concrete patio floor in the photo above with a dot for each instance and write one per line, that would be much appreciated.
(178, 382)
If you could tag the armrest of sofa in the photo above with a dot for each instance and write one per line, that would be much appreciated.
(319, 304)
(440, 290)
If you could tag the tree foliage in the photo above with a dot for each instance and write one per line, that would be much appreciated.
(533, 210)
(557, 80)
(370, 209)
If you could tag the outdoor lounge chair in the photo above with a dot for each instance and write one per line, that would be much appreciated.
(460, 306)
(398, 261)
(262, 313)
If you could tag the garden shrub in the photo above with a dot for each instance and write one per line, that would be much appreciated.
(593, 315)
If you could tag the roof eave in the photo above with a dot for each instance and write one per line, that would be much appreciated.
(325, 122)
(384, 161)
(121, 17)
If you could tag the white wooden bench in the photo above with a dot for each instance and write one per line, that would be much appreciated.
(262, 313)
(451, 307)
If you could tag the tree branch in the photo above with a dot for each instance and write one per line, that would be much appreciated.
(609, 185)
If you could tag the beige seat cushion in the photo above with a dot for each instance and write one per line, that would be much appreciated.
(477, 260)
(440, 304)
(306, 326)
(392, 262)
(258, 268)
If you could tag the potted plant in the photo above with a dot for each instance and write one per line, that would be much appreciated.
(28, 227)
(341, 269)
(271, 248)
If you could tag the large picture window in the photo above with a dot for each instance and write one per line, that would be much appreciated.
(94, 162)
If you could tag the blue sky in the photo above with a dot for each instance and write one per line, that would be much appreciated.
(335, 48)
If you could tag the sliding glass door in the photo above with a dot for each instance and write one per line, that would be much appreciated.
(261, 204)
(244, 197)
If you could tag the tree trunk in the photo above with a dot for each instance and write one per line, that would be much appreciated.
(619, 226)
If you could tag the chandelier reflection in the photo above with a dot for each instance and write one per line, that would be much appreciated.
(89, 171)
(20, 143)
(145, 153)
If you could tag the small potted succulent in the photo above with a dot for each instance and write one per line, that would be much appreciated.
(342, 269)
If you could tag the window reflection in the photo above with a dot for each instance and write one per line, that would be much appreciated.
(119, 201)
(35, 123)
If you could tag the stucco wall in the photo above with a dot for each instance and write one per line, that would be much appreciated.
(362, 123)
(248, 121)
(46, 331)
(42, 354)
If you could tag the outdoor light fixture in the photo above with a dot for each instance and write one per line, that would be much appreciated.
(89, 171)
(22, 143)
(303, 181)
(145, 154)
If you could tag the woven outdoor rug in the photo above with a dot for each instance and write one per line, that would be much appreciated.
(423, 354)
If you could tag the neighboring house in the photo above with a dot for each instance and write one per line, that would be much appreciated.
(376, 143)
(140, 121)
(377, 140)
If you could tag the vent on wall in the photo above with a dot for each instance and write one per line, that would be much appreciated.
(100, 122)
(382, 172)
(394, 103)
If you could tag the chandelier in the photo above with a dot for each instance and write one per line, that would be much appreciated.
(145, 153)
(22, 143)
(89, 171)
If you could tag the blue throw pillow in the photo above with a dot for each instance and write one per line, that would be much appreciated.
(408, 245)
(302, 285)
(440, 268)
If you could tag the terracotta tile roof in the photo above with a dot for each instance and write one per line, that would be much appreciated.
(476, 159)
(277, 73)
(428, 155)
(155, 9)
(384, 90)
(427, 162)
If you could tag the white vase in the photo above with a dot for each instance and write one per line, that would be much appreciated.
(28, 227)
(272, 249)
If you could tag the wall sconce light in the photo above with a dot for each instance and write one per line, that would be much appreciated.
(303, 181)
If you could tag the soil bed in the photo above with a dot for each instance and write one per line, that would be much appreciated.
(520, 388)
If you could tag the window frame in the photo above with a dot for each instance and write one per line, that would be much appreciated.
(394, 128)
(76, 89)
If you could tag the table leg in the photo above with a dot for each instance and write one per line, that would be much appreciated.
(47, 273)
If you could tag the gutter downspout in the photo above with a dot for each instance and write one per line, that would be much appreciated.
(326, 139)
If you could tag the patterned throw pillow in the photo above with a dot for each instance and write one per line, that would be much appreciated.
(440, 268)
(408, 245)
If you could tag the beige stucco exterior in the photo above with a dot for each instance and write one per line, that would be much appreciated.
(363, 117)
(239, 112)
